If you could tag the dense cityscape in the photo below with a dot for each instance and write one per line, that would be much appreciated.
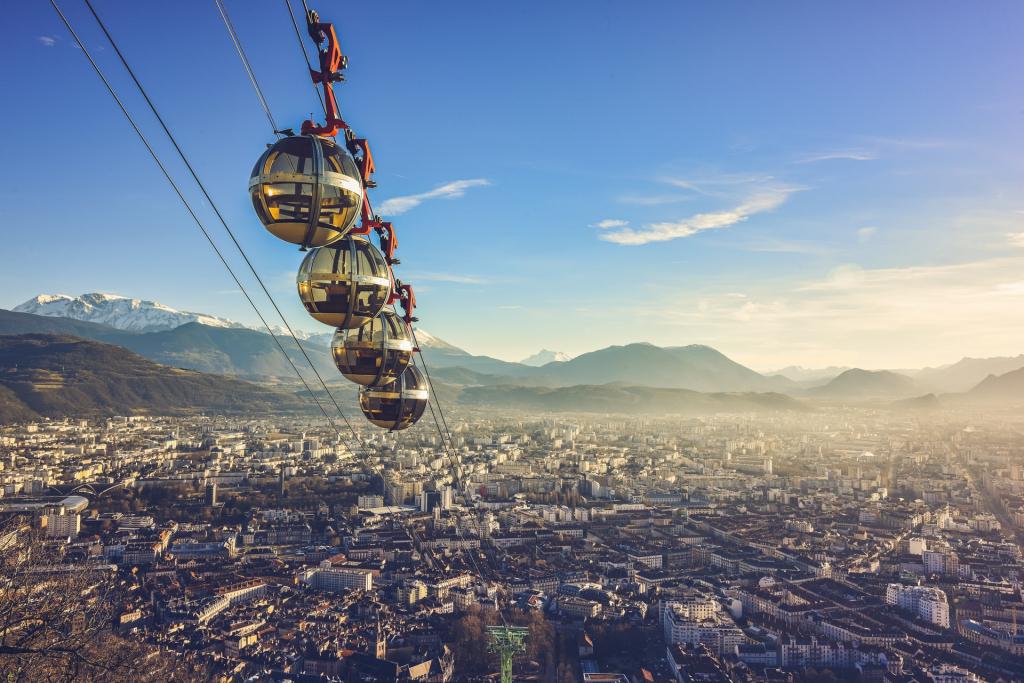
(842, 544)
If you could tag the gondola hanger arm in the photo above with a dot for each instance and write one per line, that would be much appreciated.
(332, 62)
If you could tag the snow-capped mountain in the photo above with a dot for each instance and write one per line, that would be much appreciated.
(136, 315)
(543, 357)
(429, 341)
(121, 312)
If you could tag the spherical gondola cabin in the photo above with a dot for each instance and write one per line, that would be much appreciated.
(345, 284)
(376, 353)
(307, 190)
(398, 405)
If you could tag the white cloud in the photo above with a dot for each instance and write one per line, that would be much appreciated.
(456, 188)
(868, 317)
(866, 233)
(455, 278)
(847, 154)
(670, 230)
(1016, 238)
(609, 223)
(48, 41)
(715, 184)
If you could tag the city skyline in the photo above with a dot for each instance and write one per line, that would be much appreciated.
(781, 192)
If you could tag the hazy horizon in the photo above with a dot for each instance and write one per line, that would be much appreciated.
(455, 342)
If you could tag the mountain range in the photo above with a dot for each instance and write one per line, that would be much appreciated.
(210, 344)
(57, 376)
(119, 312)
(614, 398)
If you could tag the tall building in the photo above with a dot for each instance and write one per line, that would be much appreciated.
(941, 561)
(211, 494)
(436, 500)
(61, 522)
(928, 603)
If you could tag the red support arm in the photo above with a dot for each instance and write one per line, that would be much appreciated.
(332, 61)
(360, 148)
(408, 300)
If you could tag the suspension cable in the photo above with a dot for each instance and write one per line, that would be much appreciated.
(188, 207)
(302, 48)
(222, 8)
(216, 210)
(430, 383)
(373, 466)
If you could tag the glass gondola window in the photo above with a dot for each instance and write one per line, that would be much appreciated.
(376, 353)
(307, 190)
(344, 284)
(398, 405)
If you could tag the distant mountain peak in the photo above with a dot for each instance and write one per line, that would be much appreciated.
(858, 383)
(429, 341)
(120, 312)
(545, 356)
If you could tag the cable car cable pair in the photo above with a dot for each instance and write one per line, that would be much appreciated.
(408, 300)
(308, 190)
(188, 206)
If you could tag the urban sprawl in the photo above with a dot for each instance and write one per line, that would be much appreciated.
(876, 545)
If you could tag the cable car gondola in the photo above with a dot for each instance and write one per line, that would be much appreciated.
(398, 405)
(376, 353)
(345, 284)
(307, 190)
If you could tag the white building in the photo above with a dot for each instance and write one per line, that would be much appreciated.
(337, 579)
(700, 619)
(61, 523)
(928, 603)
(370, 501)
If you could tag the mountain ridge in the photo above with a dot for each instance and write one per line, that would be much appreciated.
(45, 375)
(857, 384)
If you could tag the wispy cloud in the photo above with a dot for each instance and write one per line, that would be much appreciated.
(653, 199)
(847, 154)
(1016, 238)
(47, 41)
(866, 233)
(906, 143)
(716, 184)
(455, 278)
(787, 247)
(716, 220)
(609, 223)
(456, 188)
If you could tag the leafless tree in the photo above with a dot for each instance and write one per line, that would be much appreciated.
(56, 619)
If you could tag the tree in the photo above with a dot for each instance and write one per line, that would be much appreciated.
(541, 642)
(56, 620)
(565, 673)
(469, 644)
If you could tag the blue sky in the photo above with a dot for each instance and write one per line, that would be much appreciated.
(800, 182)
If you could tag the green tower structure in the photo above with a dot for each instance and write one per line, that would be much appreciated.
(507, 642)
